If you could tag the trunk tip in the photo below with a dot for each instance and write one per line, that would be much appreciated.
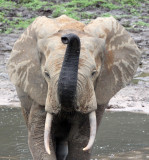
(64, 39)
(68, 38)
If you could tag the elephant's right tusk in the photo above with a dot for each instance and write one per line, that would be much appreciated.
(92, 120)
(48, 124)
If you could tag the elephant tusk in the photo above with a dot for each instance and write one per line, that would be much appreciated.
(48, 124)
(92, 120)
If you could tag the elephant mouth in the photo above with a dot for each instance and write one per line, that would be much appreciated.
(48, 125)
(68, 109)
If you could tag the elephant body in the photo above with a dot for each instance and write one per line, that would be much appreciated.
(71, 129)
(65, 73)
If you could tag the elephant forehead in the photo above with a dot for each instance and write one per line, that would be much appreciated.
(86, 60)
(54, 62)
(90, 43)
(55, 51)
(54, 43)
(51, 44)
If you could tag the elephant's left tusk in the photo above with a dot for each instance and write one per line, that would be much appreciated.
(92, 120)
(48, 124)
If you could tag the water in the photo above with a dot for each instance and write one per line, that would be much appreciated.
(13, 135)
(121, 136)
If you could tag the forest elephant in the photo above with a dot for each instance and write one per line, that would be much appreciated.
(65, 73)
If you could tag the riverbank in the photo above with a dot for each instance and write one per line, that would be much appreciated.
(134, 97)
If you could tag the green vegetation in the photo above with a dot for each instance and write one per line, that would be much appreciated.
(35, 4)
(134, 12)
(130, 2)
(7, 4)
(16, 23)
(111, 6)
(141, 23)
(77, 9)
(139, 77)
(60, 9)
(24, 1)
(135, 81)
(83, 3)
(106, 15)
(74, 8)
(144, 74)
(71, 8)
(86, 15)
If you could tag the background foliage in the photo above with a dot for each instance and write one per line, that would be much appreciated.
(12, 12)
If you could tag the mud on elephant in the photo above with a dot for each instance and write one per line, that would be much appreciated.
(65, 73)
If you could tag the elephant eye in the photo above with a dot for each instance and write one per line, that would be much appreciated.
(47, 74)
(94, 73)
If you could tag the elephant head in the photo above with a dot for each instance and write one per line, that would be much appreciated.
(67, 66)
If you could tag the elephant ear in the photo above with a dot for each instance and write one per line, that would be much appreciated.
(121, 57)
(24, 65)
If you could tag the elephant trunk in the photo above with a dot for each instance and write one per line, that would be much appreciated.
(69, 72)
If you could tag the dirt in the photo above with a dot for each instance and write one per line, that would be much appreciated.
(134, 97)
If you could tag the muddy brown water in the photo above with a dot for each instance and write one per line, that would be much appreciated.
(122, 135)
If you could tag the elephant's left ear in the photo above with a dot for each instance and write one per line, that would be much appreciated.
(121, 57)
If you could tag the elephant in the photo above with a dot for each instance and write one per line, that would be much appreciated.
(65, 72)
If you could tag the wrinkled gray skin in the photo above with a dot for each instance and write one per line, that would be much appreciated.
(59, 128)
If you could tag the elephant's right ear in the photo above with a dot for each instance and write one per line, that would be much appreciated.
(24, 66)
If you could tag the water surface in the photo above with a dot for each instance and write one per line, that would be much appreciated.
(122, 135)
